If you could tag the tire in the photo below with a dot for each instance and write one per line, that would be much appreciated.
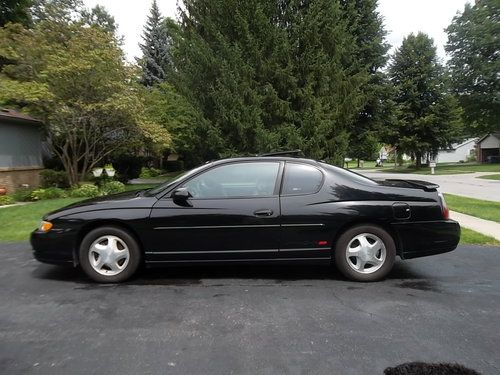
(109, 255)
(365, 253)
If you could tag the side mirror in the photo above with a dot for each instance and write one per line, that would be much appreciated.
(180, 196)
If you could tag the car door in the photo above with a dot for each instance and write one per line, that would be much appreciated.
(232, 213)
(304, 232)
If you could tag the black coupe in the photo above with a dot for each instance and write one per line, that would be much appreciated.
(255, 209)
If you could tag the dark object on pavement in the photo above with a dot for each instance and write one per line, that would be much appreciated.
(420, 368)
(257, 209)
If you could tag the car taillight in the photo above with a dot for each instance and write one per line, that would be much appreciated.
(444, 207)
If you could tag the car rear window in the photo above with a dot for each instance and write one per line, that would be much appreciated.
(301, 179)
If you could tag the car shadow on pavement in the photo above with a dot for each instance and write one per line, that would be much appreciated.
(193, 275)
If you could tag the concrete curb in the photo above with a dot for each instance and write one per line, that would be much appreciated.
(486, 227)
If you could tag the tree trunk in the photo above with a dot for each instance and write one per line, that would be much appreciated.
(418, 159)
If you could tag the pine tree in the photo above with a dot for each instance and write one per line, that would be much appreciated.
(15, 11)
(428, 117)
(366, 24)
(270, 75)
(155, 49)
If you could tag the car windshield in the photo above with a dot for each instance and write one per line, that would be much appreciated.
(350, 174)
(166, 185)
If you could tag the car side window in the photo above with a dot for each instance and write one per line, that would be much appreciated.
(237, 180)
(301, 179)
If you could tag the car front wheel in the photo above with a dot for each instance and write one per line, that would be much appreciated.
(365, 253)
(109, 255)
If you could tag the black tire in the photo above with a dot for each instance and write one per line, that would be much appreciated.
(134, 257)
(341, 259)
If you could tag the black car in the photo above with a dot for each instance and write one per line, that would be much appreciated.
(256, 209)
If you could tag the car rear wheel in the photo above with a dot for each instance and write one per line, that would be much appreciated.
(109, 255)
(365, 253)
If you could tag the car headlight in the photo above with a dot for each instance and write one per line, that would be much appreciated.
(45, 226)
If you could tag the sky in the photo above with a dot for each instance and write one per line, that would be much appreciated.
(401, 18)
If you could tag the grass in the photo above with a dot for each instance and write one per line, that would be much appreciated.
(471, 237)
(19, 221)
(487, 210)
(491, 177)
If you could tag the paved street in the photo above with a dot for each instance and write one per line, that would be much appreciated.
(249, 320)
(467, 184)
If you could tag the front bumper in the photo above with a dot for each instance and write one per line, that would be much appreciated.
(54, 246)
(421, 239)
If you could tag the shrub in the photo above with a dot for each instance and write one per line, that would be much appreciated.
(175, 165)
(112, 187)
(49, 193)
(128, 166)
(6, 199)
(149, 172)
(52, 178)
(85, 191)
(22, 195)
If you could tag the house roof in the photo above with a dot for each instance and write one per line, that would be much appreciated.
(454, 146)
(495, 134)
(11, 114)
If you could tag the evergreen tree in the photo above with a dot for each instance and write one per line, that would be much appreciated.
(269, 75)
(428, 116)
(329, 93)
(474, 45)
(15, 11)
(100, 17)
(155, 49)
(366, 24)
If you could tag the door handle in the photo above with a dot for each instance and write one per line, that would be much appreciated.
(263, 212)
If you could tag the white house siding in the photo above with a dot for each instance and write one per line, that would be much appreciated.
(459, 152)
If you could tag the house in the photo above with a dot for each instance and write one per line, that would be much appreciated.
(458, 152)
(489, 145)
(20, 150)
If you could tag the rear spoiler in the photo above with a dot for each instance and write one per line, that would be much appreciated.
(426, 186)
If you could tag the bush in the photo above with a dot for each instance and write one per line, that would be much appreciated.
(22, 195)
(85, 191)
(149, 172)
(52, 178)
(49, 193)
(6, 199)
(128, 166)
(175, 165)
(112, 187)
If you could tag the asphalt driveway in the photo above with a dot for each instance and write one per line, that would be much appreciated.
(250, 320)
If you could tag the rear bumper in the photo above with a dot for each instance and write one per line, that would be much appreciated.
(427, 238)
(53, 247)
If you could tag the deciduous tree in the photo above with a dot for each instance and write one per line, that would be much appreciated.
(474, 47)
(72, 75)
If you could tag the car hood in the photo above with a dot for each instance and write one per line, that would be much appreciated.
(128, 199)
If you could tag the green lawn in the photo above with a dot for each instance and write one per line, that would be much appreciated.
(484, 209)
(19, 221)
(471, 237)
(491, 177)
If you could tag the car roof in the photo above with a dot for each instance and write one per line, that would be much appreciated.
(265, 158)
